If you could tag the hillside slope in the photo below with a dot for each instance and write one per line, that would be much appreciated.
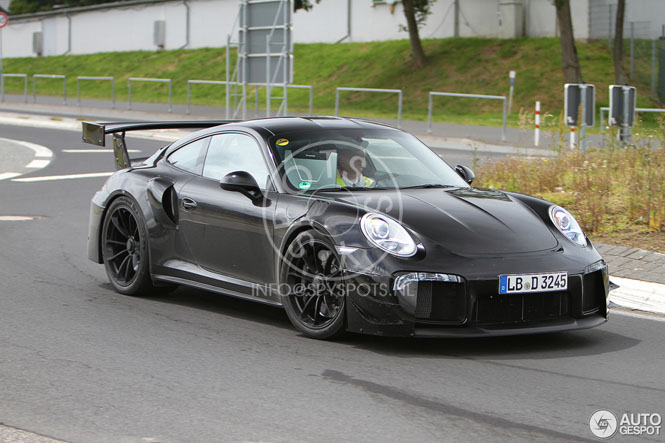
(467, 65)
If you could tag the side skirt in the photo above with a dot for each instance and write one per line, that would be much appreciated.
(211, 288)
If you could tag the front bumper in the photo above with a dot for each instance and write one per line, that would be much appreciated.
(455, 305)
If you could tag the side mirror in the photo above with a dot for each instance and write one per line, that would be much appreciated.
(466, 173)
(243, 182)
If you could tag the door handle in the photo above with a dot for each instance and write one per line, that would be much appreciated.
(188, 204)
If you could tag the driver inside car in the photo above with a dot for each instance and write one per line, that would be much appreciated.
(350, 164)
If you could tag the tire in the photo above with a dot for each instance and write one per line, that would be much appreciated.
(125, 248)
(311, 283)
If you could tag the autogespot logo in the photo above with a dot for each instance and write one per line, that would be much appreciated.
(603, 424)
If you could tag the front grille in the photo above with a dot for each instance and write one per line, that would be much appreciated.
(441, 302)
(515, 308)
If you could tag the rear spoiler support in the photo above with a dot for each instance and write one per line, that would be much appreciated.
(95, 133)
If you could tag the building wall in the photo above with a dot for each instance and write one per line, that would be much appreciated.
(131, 27)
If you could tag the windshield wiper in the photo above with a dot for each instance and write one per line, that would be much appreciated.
(428, 186)
(350, 188)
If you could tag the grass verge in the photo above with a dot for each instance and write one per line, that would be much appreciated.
(617, 193)
(466, 65)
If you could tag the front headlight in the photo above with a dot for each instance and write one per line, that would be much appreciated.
(567, 224)
(388, 235)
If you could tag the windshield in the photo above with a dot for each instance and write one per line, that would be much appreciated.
(359, 159)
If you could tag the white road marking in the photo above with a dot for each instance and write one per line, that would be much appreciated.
(39, 150)
(38, 163)
(16, 217)
(63, 177)
(88, 151)
(7, 175)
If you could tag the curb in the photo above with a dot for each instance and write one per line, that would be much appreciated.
(638, 295)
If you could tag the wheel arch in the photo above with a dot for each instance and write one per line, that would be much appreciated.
(109, 201)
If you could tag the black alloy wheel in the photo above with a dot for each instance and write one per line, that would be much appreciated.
(125, 248)
(312, 286)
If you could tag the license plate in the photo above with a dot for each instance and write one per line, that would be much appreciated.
(519, 283)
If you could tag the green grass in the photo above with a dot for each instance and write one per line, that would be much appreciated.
(467, 65)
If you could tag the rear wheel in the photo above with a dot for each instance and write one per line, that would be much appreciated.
(311, 285)
(125, 248)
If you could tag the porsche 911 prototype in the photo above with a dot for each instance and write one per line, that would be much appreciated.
(348, 225)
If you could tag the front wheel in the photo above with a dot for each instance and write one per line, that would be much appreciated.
(312, 286)
(125, 248)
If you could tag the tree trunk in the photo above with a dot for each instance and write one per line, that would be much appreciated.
(619, 71)
(417, 51)
(571, 65)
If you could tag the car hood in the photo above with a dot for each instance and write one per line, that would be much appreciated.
(466, 221)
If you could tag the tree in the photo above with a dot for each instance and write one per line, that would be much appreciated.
(619, 71)
(29, 6)
(571, 65)
(303, 4)
(416, 11)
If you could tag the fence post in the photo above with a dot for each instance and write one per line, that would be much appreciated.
(653, 68)
(503, 128)
(632, 48)
(536, 140)
(170, 95)
(399, 111)
(429, 114)
(189, 87)
(129, 94)
(337, 102)
(311, 100)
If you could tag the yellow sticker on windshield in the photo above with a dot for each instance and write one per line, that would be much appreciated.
(282, 142)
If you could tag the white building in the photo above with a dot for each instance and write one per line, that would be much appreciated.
(131, 25)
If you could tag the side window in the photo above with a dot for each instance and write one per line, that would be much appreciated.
(187, 157)
(235, 152)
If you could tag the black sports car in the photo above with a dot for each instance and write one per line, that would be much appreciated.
(349, 225)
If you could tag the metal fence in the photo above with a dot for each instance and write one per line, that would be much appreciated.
(151, 80)
(51, 76)
(78, 87)
(454, 94)
(25, 85)
(640, 58)
(389, 91)
(257, 85)
(603, 110)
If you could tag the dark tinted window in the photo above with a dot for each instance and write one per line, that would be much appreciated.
(188, 157)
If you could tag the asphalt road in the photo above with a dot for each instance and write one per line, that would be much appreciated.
(81, 363)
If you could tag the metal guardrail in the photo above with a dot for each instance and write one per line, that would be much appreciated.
(455, 94)
(607, 109)
(25, 85)
(201, 82)
(34, 85)
(390, 91)
(154, 80)
(311, 95)
(78, 87)
(216, 82)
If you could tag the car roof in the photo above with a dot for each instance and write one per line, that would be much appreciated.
(268, 127)
(290, 124)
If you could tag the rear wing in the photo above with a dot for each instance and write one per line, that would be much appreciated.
(95, 133)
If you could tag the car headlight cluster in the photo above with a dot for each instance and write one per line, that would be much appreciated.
(388, 235)
(567, 224)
